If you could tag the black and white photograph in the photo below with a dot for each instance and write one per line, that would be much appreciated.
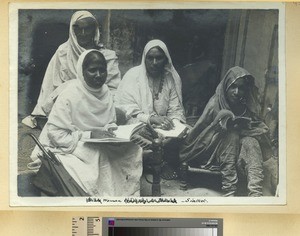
(147, 104)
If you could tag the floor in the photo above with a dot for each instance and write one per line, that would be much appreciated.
(199, 184)
(169, 188)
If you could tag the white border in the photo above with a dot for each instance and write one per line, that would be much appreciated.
(15, 200)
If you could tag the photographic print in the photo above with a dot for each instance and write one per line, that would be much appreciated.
(162, 104)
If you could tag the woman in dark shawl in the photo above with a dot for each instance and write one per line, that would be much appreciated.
(228, 133)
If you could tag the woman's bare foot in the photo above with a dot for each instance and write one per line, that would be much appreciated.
(167, 172)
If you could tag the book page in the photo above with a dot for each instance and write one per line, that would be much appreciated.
(106, 140)
(123, 134)
(125, 131)
(173, 133)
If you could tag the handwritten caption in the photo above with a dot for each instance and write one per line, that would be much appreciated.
(144, 201)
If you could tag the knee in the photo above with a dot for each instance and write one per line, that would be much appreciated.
(250, 150)
(249, 142)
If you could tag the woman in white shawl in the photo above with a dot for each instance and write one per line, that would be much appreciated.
(151, 92)
(85, 109)
(83, 34)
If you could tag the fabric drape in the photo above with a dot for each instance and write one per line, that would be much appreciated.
(209, 146)
(100, 169)
(62, 66)
(134, 94)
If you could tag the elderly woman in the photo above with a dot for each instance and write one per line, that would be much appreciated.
(85, 109)
(227, 136)
(151, 92)
(83, 34)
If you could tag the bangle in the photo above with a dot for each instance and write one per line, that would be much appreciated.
(148, 121)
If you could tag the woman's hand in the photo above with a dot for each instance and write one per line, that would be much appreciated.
(162, 122)
(141, 141)
(106, 132)
(111, 128)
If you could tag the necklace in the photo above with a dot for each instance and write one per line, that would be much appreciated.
(243, 113)
(159, 89)
(161, 83)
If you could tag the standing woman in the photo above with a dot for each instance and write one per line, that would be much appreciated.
(83, 34)
(151, 92)
(85, 109)
(228, 134)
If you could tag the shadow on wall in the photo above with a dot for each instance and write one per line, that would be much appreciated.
(46, 39)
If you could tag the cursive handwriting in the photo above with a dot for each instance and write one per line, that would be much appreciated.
(132, 200)
(195, 200)
(93, 199)
(112, 200)
(150, 200)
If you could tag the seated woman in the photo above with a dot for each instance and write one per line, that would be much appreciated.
(85, 109)
(228, 134)
(83, 34)
(151, 92)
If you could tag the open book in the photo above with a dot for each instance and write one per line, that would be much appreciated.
(123, 134)
(178, 131)
(241, 121)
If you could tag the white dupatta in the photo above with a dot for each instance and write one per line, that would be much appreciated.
(134, 94)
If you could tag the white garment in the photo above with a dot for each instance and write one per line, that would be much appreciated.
(100, 169)
(134, 94)
(62, 66)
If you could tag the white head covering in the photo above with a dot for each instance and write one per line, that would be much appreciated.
(95, 91)
(168, 67)
(63, 66)
(74, 49)
(89, 108)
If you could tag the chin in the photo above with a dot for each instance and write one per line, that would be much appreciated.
(84, 44)
(98, 86)
(155, 73)
(95, 86)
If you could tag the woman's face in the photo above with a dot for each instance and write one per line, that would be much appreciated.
(94, 70)
(155, 61)
(84, 30)
(236, 92)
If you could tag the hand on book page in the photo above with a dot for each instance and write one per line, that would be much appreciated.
(104, 132)
(122, 134)
(161, 122)
(177, 132)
